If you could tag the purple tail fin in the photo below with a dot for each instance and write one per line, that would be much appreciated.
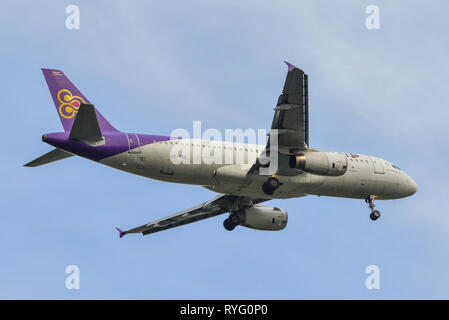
(68, 98)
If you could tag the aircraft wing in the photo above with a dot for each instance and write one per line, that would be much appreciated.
(291, 115)
(291, 119)
(219, 205)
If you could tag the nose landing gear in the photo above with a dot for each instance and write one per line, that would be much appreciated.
(375, 214)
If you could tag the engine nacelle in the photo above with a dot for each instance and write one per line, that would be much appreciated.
(264, 218)
(320, 163)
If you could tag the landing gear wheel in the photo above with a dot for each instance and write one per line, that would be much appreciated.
(270, 186)
(274, 183)
(266, 189)
(374, 215)
(228, 225)
(234, 219)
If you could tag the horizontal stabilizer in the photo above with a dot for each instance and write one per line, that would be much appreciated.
(85, 127)
(52, 156)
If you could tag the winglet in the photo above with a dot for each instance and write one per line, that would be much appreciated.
(121, 232)
(290, 66)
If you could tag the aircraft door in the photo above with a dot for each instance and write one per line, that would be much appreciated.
(133, 143)
(378, 165)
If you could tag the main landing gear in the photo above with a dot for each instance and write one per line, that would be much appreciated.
(375, 214)
(270, 186)
(231, 222)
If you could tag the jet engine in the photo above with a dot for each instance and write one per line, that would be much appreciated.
(264, 218)
(320, 163)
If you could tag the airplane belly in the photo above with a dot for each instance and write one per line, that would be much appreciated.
(154, 162)
(355, 184)
(166, 168)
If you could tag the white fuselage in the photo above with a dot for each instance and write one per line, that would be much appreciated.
(364, 176)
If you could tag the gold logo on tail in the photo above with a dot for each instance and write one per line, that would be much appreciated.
(69, 104)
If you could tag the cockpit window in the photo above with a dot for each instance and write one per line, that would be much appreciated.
(396, 167)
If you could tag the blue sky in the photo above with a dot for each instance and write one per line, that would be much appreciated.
(151, 67)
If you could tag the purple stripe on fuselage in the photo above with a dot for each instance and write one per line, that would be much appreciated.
(116, 142)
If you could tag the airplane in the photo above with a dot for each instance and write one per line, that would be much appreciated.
(300, 169)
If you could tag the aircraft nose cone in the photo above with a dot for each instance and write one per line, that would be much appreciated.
(411, 186)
